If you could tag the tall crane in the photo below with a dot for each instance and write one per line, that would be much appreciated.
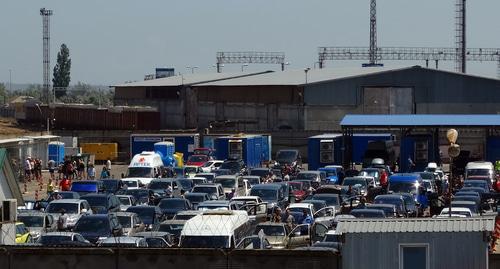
(46, 13)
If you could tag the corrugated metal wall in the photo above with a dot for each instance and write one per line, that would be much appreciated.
(458, 250)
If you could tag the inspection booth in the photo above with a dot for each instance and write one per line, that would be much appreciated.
(430, 243)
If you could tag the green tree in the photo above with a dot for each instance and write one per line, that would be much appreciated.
(3, 93)
(62, 71)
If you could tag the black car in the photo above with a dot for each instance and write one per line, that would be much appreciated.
(150, 215)
(98, 227)
(196, 197)
(261, 172)
(170, 206)
(102, 203)
(140, 195)
(235, 166)
(112, 185)
(288, 157)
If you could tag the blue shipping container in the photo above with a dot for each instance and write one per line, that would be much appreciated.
(56, 152)
(249, 148)
(326, 149)
(184, 143)
(493, 148)
(420, 149)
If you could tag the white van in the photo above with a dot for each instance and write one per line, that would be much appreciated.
(481, 169)
(146, 166)
(215, 229)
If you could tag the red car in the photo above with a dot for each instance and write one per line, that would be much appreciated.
(298, 189)
(197, 160)
(204, 151)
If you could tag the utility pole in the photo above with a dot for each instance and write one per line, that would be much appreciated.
(460, 36)
(373, 32)
(46, 13)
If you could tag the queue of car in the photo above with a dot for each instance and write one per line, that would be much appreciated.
(222, 204)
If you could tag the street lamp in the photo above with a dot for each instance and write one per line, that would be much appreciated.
(453, 152)
(305, 71)
(242, 66)
(192, 68)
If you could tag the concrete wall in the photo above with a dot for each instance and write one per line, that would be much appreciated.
(70, 258)
(446, 250)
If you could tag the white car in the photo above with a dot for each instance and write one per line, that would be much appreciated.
(325, 216)
(132, 183)
(74, 208)
(211, 165)
(462, 211)
(126, 201)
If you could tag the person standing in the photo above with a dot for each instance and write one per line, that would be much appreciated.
(62, 221)
(91, 172)
(27, 169)
(51, 164)
(306, 218)
(277, 215)
(288, 219)
(104, 173)
(65, 184)
(108, 166)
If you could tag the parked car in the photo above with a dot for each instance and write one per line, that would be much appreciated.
(98, 227)
(57, 195)
(170, 206)
(150, 215)
(195, 198)
(102, 203)
(132, 183)
(215, 191)
(237, 167)
(186, 215)
(456, 212)
(209, 176)
(368, 213)
(126, 201)
(210, 166)
(330, 199)
(272, 193)
(38, 223)
(63, 238)
(372, 172)
(299, 190)
(389, 209)
(288, 157)
(260, 172)
(217, 205)
(197, 160)
(112, 185)
(159, 186)
(396, 200)
(313, 176)
(198, 180)
(83, 187)
(174, 227)
(233, 183)
(333, 175)
(157, 239)
(74, 208)
(141, 195)
(131, 223)
(124, 242)
(252, 180)
(253, 242)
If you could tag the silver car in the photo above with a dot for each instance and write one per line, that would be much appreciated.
(38, 223)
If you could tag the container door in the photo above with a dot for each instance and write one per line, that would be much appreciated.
(326, 149)
(235, 149)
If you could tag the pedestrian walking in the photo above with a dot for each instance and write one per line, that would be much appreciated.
(65, 184)
(288, 219)
(91, 172)
(62, 221)
(27, 169)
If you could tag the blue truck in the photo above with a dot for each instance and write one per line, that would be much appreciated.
(327, 149)
(252, 149)
(184, 143)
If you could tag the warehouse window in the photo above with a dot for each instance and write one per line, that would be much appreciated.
(413, 256)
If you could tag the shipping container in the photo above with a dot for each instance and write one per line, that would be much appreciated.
(183, 143)
(493, 148)
(101, 151)
(248, 148)
(421, 149)
(327, 149)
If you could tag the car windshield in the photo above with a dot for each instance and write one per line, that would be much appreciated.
(31, 221)
(160, 185)
(145, 214)
(367, 214)
(295, 186)
(226, 182)
(110, 185)
(93, 225)
(174, 229)
(330, 199)
(286, 156)
(195, 198)
(205, 242)
(369, 173)
(190, 170)
(96, 200)
(140, 172)
(53, 239)
(265, 194)
(307, 176)
(406, 187)
(69, 208)
(230, 165)
(222, 172)
(271, 230)
(197, 158)
(388, 200)
(197, 181)
(125, 221)
(130, 183)
(476, 183)
(354, 181)
(427, 176)
(186, 184)
(172, 204)
(184, 216)
(124, 200)
(330, 172)
(204, 189)
(138, 194)
(259, 172)
(478, 172)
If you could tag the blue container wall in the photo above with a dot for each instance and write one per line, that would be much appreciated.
(166, 152)
(266, 147)
(313, 152)
(56, 153)
(221, 148)
(184, 144)
(407, 150)
(360, 142)
(253, 150)
(493, 148)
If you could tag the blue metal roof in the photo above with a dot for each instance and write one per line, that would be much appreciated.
(427, 120)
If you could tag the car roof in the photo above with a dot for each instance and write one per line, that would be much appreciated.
(310, 172)
(245, 197)
(188, 212)
(124, 213)
(214, 202)
(173, 221)
(300, 205)
(381, 205)
(96, 216)
(273, 186)
(367, 210)
(66, 201)
(121, 240)
(269, 223)
(389, 196)
(195, 194)
(95, 195)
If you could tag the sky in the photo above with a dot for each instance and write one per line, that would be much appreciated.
(114, 41)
